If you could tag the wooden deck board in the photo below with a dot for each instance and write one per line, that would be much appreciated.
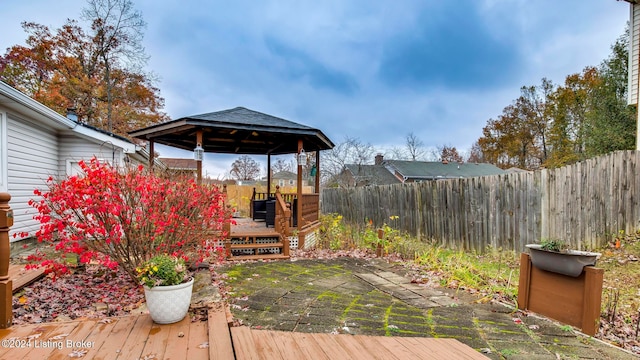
(399, 349)
(374, 347)
(111, 348)
(12, 334)
(157, 341)
(98, 336)
(178, 340)
(21, 277)
(55, 336)
(243, 343)
(220, 346)
(308, 345)
(198, 337)
(79, 333)
(265, 346)
(354, 349)
(329, 347)
(135, 337)
(286, 345)
(133, 345)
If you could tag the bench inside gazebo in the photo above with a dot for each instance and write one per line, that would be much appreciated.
(289, 220)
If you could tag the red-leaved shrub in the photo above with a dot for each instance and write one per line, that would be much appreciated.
(124, 217)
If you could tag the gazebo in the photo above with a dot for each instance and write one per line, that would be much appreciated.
(247, 132)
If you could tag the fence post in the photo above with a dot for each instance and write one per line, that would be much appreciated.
(379, 247)
(6, 285)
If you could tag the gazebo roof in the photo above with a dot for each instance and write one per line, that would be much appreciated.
(236, 131)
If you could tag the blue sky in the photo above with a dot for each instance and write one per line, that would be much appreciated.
(373, 70)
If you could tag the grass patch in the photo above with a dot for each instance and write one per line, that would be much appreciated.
(494, 273)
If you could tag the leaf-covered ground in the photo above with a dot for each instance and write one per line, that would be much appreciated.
(86, 293)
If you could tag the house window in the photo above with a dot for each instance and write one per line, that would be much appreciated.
(73, 166)
(290, 182)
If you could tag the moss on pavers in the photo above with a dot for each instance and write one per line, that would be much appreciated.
(325, 296)
(510, 348)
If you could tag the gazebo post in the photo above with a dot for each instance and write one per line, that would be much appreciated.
(299, 193)
(268, 174)
(199, 162)
(317, 180)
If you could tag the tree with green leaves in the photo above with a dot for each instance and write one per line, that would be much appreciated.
(611, 123)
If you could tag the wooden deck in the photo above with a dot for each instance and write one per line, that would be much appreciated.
(22, 277)
(137, 337)
(247, 226)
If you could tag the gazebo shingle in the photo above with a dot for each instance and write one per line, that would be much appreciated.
(236, 131)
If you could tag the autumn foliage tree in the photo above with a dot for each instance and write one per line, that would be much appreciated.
(552, 126)
(122, 218)
(97, 71)
(449, 154)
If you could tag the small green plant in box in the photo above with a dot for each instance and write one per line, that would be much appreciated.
(553, 245)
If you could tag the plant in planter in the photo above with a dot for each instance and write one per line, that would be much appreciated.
(555, 255)
(167, 288)
(554, 245)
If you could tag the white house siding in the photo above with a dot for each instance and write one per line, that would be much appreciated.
(32, 156)
(634, 53)
(74, 149)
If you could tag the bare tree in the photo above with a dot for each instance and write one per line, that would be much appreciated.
(350, 151)
(415, 147)
(117, 30)
(245, 168)
(396, 153)
(282, 165)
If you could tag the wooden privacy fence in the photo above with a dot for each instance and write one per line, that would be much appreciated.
(585, 204)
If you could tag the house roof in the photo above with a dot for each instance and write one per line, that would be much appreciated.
(236, 131)
(21, 103)
(440, 170)
(285, 175)
(371, 174)
(180, 164)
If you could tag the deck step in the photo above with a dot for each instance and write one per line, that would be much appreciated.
(258, 257)
(266, 233)
(256, 246)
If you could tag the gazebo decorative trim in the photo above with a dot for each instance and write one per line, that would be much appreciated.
(236, 131)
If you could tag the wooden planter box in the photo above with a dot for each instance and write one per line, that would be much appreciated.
(571, 300)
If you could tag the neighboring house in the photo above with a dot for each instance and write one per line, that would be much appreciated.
(385, 172)
(37, 142)
(284, 178)
(363, 175)
(180, 166)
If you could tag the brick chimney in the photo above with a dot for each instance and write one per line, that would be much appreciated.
(379, 159)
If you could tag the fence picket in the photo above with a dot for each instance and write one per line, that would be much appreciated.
(585, 204)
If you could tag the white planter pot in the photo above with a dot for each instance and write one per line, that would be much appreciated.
(168, 304)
